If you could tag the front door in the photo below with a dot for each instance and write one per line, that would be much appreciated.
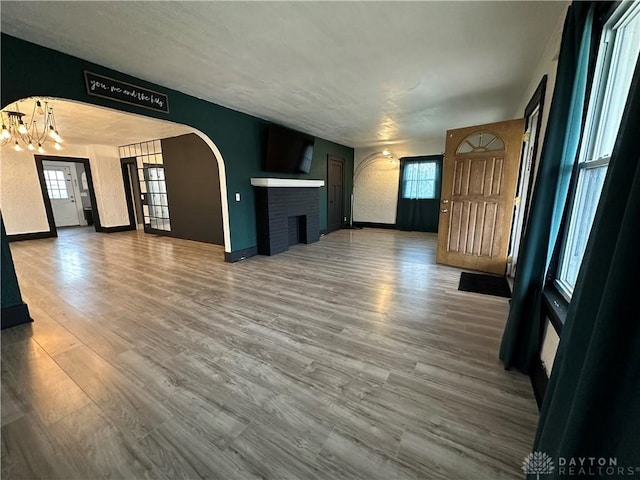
(478, 193)
(524, 189)
(335, 193)
(60, 191)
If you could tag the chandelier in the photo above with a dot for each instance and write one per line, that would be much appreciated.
(19, 132)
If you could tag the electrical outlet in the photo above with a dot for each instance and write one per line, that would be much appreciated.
(345, 219)
(237, 197)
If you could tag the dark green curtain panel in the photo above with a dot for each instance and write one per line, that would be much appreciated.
(523, 331)
(419, 215)
(592, 404)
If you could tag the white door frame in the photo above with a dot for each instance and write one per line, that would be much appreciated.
(533, 115)
(526, 170)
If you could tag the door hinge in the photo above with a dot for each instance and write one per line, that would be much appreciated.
(509, 260)
(517, 201)
(526, 136)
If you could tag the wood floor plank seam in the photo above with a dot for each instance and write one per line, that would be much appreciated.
(355, 357)
(404, 429)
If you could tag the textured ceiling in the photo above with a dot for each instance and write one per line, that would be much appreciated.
(358, 73)
(81, 124)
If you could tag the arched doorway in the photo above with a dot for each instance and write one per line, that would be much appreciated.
(82, 124)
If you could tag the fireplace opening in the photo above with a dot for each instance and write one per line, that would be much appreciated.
(297, 226)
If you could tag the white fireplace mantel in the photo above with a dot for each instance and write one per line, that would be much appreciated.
(286, 182)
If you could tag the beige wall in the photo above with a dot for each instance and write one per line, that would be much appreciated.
(21, 199)
(20, 196)
(549, 347)
(375, 182)
(107, 178)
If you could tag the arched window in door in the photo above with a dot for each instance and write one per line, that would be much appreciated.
(480, 142)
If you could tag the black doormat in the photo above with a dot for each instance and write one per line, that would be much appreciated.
(485, 284)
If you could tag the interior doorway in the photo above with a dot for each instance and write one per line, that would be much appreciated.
(132, 192)
(335, 195)
(27, 213)
(67, 192)
(528, 171)
(63, 191)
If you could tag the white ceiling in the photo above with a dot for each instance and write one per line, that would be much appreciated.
(82, 124)
(358, 73)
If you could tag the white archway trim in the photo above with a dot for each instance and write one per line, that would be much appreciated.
(224, 200)
(369, 160)
(361, 196)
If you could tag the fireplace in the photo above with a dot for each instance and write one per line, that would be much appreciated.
(287, 212)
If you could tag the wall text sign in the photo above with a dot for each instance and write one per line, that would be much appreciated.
(105, 87)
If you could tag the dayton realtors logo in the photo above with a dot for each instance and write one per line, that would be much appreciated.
(599, 467)
(539, 463)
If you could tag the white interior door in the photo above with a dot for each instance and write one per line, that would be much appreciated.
(60, 190)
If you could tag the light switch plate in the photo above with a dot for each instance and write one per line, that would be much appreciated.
(237, 197)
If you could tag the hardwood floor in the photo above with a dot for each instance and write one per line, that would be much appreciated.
(355, 357)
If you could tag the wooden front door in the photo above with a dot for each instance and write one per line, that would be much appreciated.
(478, 192)
(335, 194)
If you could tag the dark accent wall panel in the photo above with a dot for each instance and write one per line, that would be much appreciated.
(274, 208)
(193, 189)
(239, 255)
(390, 226)
(14, 310)
(18, 237)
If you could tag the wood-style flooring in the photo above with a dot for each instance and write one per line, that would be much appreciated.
(352, 358)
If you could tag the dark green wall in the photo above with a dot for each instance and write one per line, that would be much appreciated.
(8, 283)
(321, 150)
(13, 310)
(319, 170)
(30, 70)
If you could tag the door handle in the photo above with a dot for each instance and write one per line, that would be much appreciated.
(444, 210)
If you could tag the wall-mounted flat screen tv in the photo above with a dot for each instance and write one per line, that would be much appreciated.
(288, 151)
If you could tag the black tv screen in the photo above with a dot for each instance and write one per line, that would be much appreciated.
(288, 151)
